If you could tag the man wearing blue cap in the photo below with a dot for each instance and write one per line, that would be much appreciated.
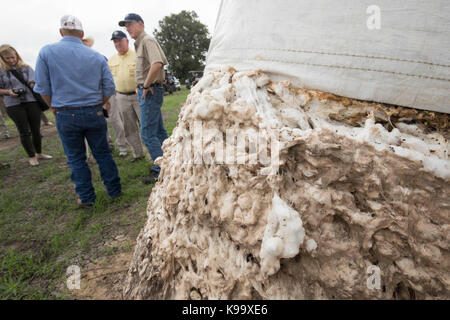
(125, 102)
(149, 76)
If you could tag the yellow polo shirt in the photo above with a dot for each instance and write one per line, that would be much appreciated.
(122, 69)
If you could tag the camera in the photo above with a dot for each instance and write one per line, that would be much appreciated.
(19, 91)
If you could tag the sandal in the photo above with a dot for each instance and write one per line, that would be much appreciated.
(33, 162)
(44, 157)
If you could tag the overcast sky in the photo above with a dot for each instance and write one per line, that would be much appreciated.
(28, 25)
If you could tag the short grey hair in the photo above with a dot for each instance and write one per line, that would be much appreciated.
(71, 32)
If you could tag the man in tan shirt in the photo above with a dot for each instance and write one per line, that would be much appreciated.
(149, 76)
(122, 67)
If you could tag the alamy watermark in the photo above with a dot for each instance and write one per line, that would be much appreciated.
(374, 280)
(73, 278)
(374, 20)
(203, 145)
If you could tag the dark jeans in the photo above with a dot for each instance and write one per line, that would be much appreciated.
(152, 127)
(74, 126)
(27, 117)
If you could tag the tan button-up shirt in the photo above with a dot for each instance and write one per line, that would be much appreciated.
(148, 52)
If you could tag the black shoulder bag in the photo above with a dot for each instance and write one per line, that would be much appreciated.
(42, 104)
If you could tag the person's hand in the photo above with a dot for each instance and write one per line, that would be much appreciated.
(12, 94)
(145, 91)
(107, 106)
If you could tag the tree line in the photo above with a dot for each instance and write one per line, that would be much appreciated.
(185, 41)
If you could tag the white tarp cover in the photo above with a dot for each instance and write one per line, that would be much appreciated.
(327, 45)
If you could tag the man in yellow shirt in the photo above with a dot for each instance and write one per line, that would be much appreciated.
(123, 65)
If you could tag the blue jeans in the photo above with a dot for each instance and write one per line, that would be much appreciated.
(152, 127)
(74, 126)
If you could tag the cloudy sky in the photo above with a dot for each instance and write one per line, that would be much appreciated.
(28, 25)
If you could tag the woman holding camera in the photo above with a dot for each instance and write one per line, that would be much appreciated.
(20, 103)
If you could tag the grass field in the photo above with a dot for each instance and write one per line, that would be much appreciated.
(43, 231)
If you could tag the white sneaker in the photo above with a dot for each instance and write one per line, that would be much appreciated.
(123, 154)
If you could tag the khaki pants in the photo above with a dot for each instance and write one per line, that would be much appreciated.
(115, 116)
(130, 111)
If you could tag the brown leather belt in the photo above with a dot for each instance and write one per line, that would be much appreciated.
(127, 93)
(76, 108)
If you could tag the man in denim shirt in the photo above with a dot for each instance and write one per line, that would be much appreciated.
(76, 81)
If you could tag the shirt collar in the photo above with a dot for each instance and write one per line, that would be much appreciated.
(71, 39)
(124, 55)
(137, 42)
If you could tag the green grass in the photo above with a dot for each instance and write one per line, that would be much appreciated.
(43, 231)
(171, 109)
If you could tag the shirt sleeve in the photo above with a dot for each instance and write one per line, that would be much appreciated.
(153, 51)
(30, 74)
(42, 76)
(108, 87)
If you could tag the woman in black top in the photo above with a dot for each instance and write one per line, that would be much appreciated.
(20, 103)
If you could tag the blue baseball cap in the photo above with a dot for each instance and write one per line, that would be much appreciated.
(118, 35)
(129, 18)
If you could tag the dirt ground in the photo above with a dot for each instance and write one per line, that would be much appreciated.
(104, 278)
(14, 140)
(101, 244)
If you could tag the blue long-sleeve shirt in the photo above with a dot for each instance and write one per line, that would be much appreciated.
(73, 74)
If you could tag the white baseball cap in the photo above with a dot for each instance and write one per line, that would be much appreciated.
(71, 23)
